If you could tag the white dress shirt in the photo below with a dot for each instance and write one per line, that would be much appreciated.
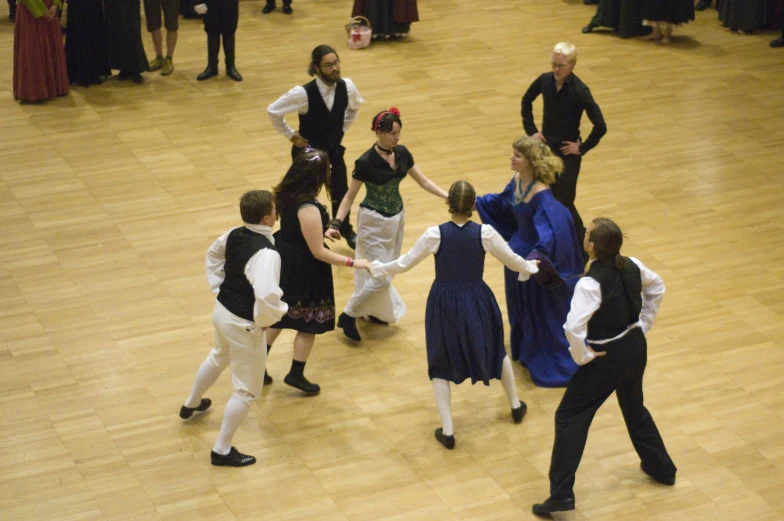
(430, 241)
(296, 100)
(262, 271)
(587, 299)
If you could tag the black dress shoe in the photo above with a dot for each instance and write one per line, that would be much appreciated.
(446, 441)
(778, 42)
(209, 72)
(349, 326)
(187, 412)
(232, 73)
(553, 505)
(664, 480)
(351, 239)
(287, 9)
(517, 414)
(590, 2)
(702, 5)
(268, 8)
(589, 28)
(301, 383)
(136, 78)
(233, 459)
(377, 320)
(267, 378)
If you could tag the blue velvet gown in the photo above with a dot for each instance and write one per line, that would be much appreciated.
(537, 314)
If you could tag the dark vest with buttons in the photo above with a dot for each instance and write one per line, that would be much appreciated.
(621, 299)
(236, 292)
(320, 126)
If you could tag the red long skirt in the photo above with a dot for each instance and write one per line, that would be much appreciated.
(40, 71)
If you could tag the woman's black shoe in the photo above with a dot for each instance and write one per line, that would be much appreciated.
(287, 9)
(349, 326)
(187, 412)
(517, 414)
(589, 28)
(233, 459)
(268, 8)
(300, 382)
(553, 505)
(778, 42)
(267, 378)
(446, 441)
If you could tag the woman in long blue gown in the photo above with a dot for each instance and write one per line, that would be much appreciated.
(527, 215)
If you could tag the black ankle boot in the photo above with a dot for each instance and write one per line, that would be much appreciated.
(213, 47)
(553, 505)
(228, 51)
(300, 382)
(443, 439)
(349, 326)
(268, 8)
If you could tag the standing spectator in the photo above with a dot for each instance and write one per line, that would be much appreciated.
(220, 20)
(40, 71)
(152, 12)
(778, 42)
(389, 18)
(743, 16)
(625, 16)
(124, 28)
(668, 12)
(86, 43)
(270, 6)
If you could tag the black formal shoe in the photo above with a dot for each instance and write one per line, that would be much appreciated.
(644, 30)
(268, 8)
(351, 238)
(377, 320)
(446, 441)
(267, 378)
(664, 480)
(287, 9)
(136, 78)
(187, 412)
(778, 42)
(590, 2)
(589, 28)
(301, 383)
(209, 72)
(233, 459)
(349, 326)
(232, 73)
(517, 414)
(553, 505)
(702, 5)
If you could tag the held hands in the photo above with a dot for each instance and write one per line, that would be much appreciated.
(299, 141)
(361, 264)
(570, 148)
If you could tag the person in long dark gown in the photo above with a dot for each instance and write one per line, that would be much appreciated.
(668, 12)
(85, 43)
(124, 28)
(743, 16)
(537, 226)
(623, 15)
(389, 18)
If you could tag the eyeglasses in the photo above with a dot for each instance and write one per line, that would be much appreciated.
(559, 65)
(332, 65)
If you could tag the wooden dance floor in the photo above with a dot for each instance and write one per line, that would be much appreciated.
(109, 198)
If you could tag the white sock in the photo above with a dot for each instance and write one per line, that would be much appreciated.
(508, 381)
(444, 403)
(205, 377)
(236, 411)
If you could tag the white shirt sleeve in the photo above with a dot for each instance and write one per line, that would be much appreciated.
(493, 243)
(216, 259)
(427, 244)
(263, 272)
(295, 100)
(652, 294)
(354, 101)
(586, 300)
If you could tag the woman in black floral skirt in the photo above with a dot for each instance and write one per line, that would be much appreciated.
(306, 262)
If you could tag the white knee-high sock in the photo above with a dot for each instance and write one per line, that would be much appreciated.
(205, 377)
(443, 396)
(508, 381)
(236, 411)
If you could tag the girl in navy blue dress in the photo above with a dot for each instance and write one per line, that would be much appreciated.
(463, 328)
(528, 216)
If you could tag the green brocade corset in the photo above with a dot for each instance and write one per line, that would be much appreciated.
(385, 199)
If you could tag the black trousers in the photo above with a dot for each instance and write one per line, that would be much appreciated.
(621, 370)
(338, 182)
(222, 17)
(565, 191)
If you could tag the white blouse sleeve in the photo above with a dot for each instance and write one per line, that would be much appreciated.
(586, 300)
(295, 100)
(216, 259)
(652, 294)
(493, 243)
(263, 273)
(354, 101)
(427, 244)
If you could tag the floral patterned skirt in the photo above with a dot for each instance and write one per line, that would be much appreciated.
(307, 289)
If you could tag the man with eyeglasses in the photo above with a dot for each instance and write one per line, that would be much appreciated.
(327, 106)
(565, 99)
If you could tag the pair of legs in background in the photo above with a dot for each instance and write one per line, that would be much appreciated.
(221, 21)
(152, 13)
(242, 345)
(565, 192)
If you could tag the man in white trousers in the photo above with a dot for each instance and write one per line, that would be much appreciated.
(243, 269)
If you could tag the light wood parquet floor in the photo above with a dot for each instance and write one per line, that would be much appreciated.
(109, 198)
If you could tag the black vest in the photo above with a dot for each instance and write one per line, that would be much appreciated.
(621, 299)
(236, 293)
(322, 128)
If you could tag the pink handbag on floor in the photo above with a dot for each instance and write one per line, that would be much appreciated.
(359, 32)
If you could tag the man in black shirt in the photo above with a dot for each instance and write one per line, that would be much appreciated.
(565, 98)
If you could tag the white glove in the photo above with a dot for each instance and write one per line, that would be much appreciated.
(200, 8)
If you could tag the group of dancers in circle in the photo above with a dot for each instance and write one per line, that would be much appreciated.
(586, 333)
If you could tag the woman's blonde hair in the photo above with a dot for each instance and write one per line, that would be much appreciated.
(545, 165)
